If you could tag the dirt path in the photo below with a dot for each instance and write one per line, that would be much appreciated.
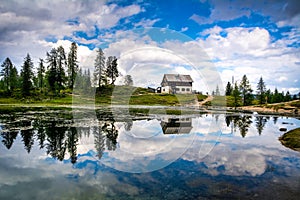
(209, 98)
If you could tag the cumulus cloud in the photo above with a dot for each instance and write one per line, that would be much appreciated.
(40, 25)
(250, 51)
(109, 15)
(36, 22)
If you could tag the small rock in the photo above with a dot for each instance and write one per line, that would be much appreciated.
(282, 129)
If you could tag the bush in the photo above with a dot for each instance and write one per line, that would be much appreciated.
(296, 104)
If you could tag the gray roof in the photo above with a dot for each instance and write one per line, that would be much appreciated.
(178, 78)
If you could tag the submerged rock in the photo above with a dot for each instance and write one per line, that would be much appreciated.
(283, 129)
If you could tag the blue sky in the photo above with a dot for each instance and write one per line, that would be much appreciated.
(257, 38)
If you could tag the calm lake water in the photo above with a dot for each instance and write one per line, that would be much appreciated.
(60, 154)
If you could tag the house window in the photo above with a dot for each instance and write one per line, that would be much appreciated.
(187, 89)
(182, 89)
(163, 89)
(177, 89)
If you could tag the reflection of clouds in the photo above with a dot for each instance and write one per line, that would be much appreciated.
(235, 163)
(144, 129)
(24, 175)
(213, 153)
(149, 150)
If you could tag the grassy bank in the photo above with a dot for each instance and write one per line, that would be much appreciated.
(115, 95)
(291, 139)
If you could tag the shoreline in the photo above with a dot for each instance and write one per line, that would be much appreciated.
(245, 109)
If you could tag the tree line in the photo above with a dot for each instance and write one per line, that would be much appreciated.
(242, 93)
(57, 73)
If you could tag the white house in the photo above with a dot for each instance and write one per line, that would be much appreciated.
(176, 84)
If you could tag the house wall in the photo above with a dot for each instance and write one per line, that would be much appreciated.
(184, 90)
(166, 89)
(178, 90)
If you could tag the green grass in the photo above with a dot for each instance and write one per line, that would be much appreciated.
(8, 109)
(295, 104)
(9, 100)
(162, 99)
(230, 101)
(25, 101)
(221, 101)
(120, 95)
(201, 97)
(291, 139)
(116, 95)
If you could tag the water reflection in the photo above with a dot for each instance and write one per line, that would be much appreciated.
(60, 137)
(176, 125)
(57, 137)
(241, 160)
(243, 122)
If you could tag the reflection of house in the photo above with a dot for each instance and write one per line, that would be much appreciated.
(176, 125)
(176, 84)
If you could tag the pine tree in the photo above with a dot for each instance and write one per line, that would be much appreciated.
(236, 95)
(14, 79)
(228, 89)
(269, 96)
(276, 98)
(99, 75)
(61, 64)
(261, 90)
(52, 68)
(6, 71)
(246, 91)
(26, 75)
(72, 65)
(41, 73)
(112, 69)
(287, 96)
(56, 60)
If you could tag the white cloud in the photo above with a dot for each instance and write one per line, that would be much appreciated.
(250, 51)
(34, 21)
(146, 23)
(138, 54)
(109, 16)
(183, 29)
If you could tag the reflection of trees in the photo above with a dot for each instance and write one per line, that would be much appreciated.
(260, 122)
(241, 121)
(217, 117)
(61, 139)
(228, 120)
(99, 141)
(244, 124)
(56, 146)
(27, 135)
(111, 135)
(41, 135)
(107, 133)
(275, 119)
(9, 138)
(57, 138)
(84, 131)
(72, 139)
(128, 125)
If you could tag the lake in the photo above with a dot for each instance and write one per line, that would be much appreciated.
(111, 154)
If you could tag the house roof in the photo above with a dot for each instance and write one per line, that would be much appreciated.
(178, 78)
